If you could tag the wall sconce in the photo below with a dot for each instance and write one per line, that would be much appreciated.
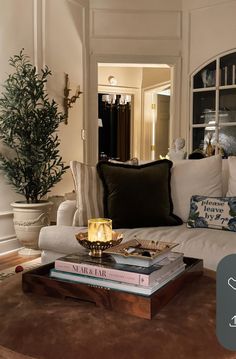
(68, 101)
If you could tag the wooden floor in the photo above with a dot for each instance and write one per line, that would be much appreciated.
(12, 259)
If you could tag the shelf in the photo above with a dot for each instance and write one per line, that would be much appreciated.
(226, 87)
(214, 104)
(204, 89)
(201, 125)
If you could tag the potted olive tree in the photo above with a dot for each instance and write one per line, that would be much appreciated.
(29, 121)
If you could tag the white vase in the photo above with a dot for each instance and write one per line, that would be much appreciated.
(28, 220)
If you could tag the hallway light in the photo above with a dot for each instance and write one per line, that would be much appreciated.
(112, 80)
(112, 99)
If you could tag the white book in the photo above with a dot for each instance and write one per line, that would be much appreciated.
(131, 288)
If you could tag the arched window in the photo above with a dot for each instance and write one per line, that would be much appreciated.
(213, 106)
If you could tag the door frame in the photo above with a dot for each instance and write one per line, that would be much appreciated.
(153, 90)
(91, 138)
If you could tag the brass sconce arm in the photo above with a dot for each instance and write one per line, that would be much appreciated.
(68, 101)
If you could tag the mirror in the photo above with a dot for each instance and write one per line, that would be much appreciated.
(140, 128)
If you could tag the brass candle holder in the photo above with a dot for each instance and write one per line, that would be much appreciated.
(99, 237)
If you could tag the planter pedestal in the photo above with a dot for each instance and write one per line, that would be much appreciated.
(24, 252)
(28, 220)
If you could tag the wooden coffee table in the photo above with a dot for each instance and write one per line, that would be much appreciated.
(39, 282)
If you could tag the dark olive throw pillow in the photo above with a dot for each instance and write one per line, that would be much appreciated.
(138, 196)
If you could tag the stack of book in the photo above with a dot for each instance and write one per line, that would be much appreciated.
(108, 272)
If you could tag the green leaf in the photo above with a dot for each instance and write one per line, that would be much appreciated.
(29, 124)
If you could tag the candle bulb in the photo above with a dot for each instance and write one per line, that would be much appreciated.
(99, 236)
(99, 230)
(77, 91)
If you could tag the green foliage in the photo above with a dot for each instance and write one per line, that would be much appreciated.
(28, 126)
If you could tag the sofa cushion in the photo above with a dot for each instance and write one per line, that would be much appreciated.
(89, 193)
(213, 212)
(138, 196)
(208, 244)
(190, 177)
(232, 176)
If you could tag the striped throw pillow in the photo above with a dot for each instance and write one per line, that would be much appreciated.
(89, 193)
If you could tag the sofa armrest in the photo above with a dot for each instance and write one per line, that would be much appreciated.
(65, 213)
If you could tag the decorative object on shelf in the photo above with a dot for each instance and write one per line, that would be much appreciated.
(218, 149)
(210, 149)
(28, 125)
(204, 78)
(99, 236)
(176, 151)
(208, 78)
(68, 101)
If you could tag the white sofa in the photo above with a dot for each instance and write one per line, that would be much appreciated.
(189, 177)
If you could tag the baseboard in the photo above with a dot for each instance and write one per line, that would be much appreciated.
(9, 244)
(8, 240)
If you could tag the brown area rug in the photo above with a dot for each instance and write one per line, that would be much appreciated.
(48, 328)
(10, 354)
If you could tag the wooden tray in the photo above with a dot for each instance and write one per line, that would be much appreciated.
(38, 281)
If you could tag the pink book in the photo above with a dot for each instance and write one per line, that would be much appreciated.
(107, 268)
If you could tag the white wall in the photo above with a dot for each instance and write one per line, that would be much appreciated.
(13, 37)
(64, 53)
(52, 32)
(154, 76)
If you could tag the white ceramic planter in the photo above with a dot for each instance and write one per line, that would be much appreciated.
(28, 219)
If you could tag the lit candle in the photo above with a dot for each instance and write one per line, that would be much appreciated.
(100, 229)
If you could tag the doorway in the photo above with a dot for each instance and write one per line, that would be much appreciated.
(114, 126)
(138, 76)
(156, 121)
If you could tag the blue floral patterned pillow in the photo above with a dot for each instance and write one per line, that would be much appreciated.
(212, 212)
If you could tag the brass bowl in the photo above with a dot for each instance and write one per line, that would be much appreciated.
(96, 248)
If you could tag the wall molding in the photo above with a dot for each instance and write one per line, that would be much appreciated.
(81, 3)
(7, 238)
(146, 16)
(39, 33)
(9, 244)
(207, 6)
(6, 213)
